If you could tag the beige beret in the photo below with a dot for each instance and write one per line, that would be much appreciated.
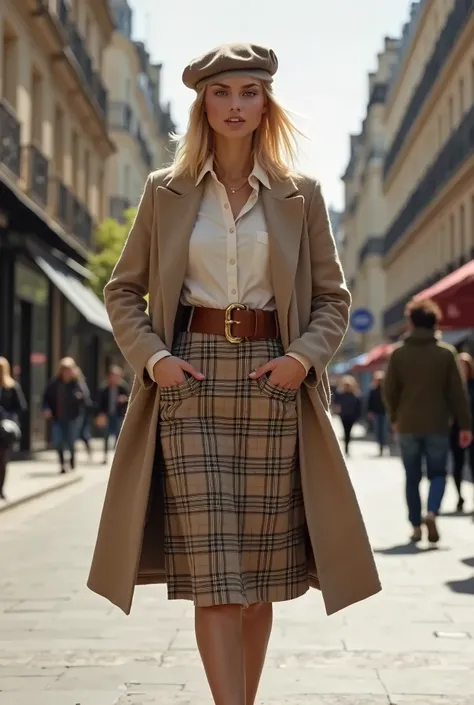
(231, 60)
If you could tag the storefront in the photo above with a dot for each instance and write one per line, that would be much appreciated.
(47, 311)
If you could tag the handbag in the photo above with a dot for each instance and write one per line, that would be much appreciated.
(10, 432)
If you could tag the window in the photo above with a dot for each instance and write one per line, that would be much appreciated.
(462, 102)
(58, 145)
(462, 230)
(452, 240)
(74, 161)
(87, 176)
(9, 65)
(36, 108)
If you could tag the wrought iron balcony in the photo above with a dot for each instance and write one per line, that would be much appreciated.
(10, 150)
(455, 152)
(73, 215)
(455, 24)
(144, 151)
(118, 205)
(37, 168)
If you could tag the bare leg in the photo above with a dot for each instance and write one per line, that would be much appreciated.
(257, 626)
(220, 642)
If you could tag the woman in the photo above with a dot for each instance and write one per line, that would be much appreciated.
(376, 412)
(64, 402)
(466, 364)
(12, 404)
(349, 407)
(113, 400)
(247, 306)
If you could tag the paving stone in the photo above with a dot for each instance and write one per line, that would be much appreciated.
(55, 632)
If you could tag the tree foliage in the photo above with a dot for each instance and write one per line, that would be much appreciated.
(109, 239)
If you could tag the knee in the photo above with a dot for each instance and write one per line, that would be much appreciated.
(256, 609)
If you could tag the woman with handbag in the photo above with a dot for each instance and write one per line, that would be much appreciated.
(227, 478)
(12, 404)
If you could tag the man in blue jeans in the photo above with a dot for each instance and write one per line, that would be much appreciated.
(424, 393)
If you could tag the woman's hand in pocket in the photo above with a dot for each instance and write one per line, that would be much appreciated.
(169, 371)
(286, 372)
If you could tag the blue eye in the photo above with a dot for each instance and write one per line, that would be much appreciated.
(220, 93)
(250, 93)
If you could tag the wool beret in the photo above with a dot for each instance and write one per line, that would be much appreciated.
(231, 60)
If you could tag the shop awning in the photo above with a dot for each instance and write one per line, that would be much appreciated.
(83, 299)
(342, 368)
(454, 294)
(376, 356)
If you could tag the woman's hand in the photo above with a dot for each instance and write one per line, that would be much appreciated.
(286, 372)
(169, 371)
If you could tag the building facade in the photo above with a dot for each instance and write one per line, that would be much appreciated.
(54, 147)
(428, 171)
(364, 213)
(139, 125)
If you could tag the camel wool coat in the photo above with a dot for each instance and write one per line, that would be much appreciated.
(313, 308)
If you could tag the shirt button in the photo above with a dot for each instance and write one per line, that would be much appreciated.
(234, 291)
(232, 230)
(226, 205)
(232, 261)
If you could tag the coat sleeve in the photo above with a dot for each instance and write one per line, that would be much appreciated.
(392, 389)
(125, 293)
(330, 301)
(20, 401)
(459, 401)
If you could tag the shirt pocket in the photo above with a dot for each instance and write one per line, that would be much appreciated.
(262, 237)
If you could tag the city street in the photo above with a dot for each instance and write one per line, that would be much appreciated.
(62, 645)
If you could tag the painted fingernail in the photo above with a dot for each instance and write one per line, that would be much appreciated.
(253, 375)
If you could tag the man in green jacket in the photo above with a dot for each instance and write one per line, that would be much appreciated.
(424, 393)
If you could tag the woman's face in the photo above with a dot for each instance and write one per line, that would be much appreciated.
(235, 106)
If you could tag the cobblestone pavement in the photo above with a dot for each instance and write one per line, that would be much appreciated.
(62, 645)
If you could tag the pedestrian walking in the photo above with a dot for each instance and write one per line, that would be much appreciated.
(84, 422)
(12, 405)
(423, 391)
(64, 403)
(348, 406)
(227, 437)
(113, 400)
(376, 411)
(457, 450)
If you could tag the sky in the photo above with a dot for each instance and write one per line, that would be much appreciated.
(325, 49)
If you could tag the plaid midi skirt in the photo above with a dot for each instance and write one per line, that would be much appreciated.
(235, 530)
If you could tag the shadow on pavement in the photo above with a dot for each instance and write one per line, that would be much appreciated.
(407, 549)
(463, 587)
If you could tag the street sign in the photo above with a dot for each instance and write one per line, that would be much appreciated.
(362, 320)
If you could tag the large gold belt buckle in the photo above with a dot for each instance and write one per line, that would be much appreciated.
(229, 322)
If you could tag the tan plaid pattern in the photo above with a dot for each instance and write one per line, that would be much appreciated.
(234, 517)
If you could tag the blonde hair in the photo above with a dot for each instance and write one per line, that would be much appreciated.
(7, 380)
(68, 363)
(274, 143)
(351, 382)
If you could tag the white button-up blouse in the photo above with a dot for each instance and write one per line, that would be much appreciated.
(228, 258)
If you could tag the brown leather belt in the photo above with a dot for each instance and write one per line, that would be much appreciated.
(236, 323)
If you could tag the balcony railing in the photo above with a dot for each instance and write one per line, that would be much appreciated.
(121, 117)
(10, 150)
(118, 206)
(62, 15)
(455, 152)
(457, 20)
(372, 246)
(72, 214)
(37, 167)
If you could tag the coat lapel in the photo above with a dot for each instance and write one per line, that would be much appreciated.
(177, 208)
(284, 212)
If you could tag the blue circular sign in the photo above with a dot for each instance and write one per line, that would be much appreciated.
(362, 320)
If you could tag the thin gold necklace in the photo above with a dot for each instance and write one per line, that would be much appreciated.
(234, 190)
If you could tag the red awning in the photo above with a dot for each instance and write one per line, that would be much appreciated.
(454, 294)
(376, 356)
